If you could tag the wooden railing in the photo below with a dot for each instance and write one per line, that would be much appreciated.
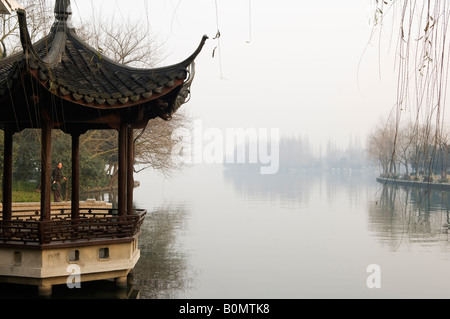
(26, 228)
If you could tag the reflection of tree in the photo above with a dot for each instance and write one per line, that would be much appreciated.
(409, 216)
(352, 183)
(298, 186)
(163, 269)
(291, 187)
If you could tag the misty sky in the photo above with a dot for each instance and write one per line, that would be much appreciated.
(300, 66)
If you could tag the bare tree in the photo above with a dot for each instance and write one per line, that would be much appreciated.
(39, 21)
(422, 61)
(155, 146)
(381, 147)
(129, 42)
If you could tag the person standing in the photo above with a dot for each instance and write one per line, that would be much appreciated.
(57, 177)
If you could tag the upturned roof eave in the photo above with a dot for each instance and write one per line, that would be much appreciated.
(39, 60)
(164, 69)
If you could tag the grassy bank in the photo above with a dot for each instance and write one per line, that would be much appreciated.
(25, 192)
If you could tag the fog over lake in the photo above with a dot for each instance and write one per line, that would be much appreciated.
(223, 233)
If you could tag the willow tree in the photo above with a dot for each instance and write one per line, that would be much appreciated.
(419, 29)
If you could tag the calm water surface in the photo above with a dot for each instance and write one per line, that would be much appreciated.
(221, 233)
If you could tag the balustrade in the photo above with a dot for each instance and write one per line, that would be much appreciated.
(25, 226)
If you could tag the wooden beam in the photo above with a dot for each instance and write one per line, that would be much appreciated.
(122, 180)
(7, 174)
(130, 171)
(46, 167)
(75, 175)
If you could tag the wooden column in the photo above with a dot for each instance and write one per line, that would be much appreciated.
(130, 171)
(7, 175)
(75, 175)
(122, 181)
(46, 170)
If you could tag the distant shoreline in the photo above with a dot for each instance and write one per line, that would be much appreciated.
(419, 184)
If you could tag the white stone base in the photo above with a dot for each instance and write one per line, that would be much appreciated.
(69, 265)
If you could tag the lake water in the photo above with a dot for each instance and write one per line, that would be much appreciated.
(215, 233)
(221, 233)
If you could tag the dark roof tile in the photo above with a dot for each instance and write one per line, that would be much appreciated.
(73, 70)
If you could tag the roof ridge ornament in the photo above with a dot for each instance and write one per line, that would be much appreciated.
(8, 6)
(63, 10)
(69, 68)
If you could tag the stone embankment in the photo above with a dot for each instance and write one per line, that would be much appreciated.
(413, 183)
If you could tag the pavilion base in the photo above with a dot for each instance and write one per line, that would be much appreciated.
(69, 265)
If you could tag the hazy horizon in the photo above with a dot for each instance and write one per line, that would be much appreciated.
(303, 68)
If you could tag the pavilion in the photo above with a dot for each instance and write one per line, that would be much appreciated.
(60, 82)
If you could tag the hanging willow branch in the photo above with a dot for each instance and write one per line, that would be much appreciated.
(422, 63)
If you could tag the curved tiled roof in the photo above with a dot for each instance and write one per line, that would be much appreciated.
(72, 70)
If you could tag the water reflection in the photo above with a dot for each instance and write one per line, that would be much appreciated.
(397, 216)
(164, 271)
(300, 187)
(213, 233)
(283, 188)
(101, 289)
(402, 217)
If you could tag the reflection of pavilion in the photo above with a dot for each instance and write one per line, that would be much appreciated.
(61, 83)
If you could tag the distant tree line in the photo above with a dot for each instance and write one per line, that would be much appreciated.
(410, 149)
(353, 156)
(298, 152)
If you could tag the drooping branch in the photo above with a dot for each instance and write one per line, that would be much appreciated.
(421, 60)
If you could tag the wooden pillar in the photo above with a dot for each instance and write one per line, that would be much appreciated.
(7, 175)
(130, 171)
(75, 175)
(46, 170)
(122, 181)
